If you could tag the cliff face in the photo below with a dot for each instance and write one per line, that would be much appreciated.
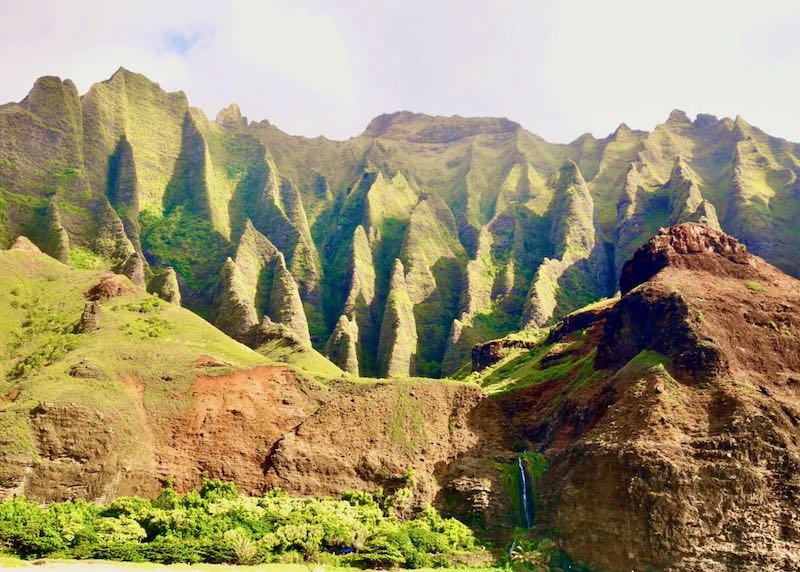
(671, 432)
(497, 229)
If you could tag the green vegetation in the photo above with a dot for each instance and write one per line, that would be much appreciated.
(188, 243)
(217, 524)
(646, 359)
(150, 327)
(476, 208)
(45, 335)
(754, 285)
(307, 359)
(146, 306)
(406, 424)
(534, 555)
(545, 362)
(84, 258)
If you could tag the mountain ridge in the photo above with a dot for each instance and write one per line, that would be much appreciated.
(141, 182)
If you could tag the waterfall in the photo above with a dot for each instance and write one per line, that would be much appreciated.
(526, 503)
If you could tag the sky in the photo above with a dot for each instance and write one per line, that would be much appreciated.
(559, 68)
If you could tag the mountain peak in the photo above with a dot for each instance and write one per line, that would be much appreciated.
(681, 170)
(570, 173)
(56, 101)
(398, 278)
(231, 116)
(688, 245)
(123, 73)
(422, 128)
(705, 120)
(678, 116)
(131, 78)
(622, 129)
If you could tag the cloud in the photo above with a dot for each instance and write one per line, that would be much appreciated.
(328, 67)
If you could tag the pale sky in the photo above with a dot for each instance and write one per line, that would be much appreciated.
(560, 68)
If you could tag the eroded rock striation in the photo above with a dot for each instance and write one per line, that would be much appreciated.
(579, 265)
(398, 342)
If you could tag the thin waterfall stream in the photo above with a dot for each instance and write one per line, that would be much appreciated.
(525, 500)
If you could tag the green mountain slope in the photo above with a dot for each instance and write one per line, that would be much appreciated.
(86, 357)
(496, 229)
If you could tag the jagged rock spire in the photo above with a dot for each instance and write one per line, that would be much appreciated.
(165, 285)
(397, 347)
(55, 240)
(342, 346)
(234, 312)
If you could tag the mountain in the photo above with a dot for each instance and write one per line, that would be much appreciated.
(495, 228)
(669, 416)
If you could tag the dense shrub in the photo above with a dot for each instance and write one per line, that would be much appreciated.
(219, 525)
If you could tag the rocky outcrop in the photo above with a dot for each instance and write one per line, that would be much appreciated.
(688, 246)
(231, 117)
(111, 241)
(254, 253)
(165, 285)
(285, 305)
(342, 347)
(86, 369)
(489, 353)
(57, 103)
(681, 455)
(110, 286)
(234, 311)
(134, 268)
(397, 348)
(90, 318)
(23, 244)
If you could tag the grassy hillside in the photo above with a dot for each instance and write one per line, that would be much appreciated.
(140, 359)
